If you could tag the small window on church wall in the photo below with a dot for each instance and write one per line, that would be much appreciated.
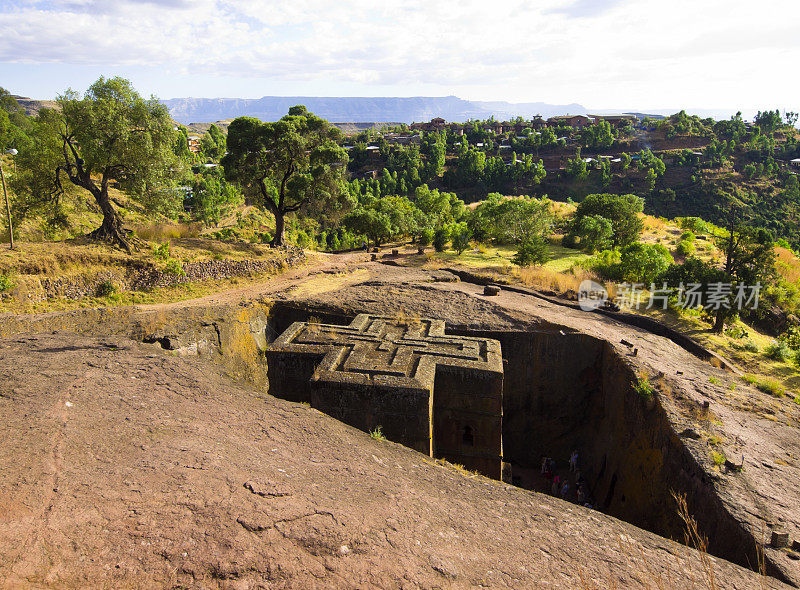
(468, 439)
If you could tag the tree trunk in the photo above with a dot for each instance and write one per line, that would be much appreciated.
(8, 211)
(279, 240)
(111, 230)
(719, 322)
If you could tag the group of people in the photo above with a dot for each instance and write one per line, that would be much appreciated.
(575, 491)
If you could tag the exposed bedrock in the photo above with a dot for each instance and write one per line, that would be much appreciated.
(564, 391)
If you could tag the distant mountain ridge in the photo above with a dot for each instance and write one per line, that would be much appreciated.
(378, 109)
(373, 110)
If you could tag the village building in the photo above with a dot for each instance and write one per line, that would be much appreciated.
(435, 124)
(194, 142)
(538, 123)
(497, 127)
(456, 128)
(571, 120)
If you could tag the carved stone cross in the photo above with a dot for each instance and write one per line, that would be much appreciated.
(439, 394)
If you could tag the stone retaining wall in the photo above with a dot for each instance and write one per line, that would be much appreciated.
(144, 276)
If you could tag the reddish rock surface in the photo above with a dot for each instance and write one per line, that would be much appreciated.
(123, 466)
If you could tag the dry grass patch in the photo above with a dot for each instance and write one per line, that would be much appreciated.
(542, 277)
(788, 265)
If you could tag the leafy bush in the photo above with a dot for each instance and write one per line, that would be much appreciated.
(594, 232)
(301, 239)
(213, 197)
(440, 239)
(606, 264)
(229, 233)
(749, 346)
(621, 210)
(736, 331)
(425, 237)
(643, 263)
(778, 351)
(173, 266)
(695, 224)
(105, 289)
(6, 284)
(461, 235)
(688, 236)
(569, 241)
(532, 251)
(685, 248)
(377, 433)
(161, 251)
(644, 388)
(791, 337)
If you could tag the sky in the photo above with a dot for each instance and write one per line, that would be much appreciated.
(603, 54)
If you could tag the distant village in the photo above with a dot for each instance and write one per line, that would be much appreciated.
(537, 123)
(508, 137)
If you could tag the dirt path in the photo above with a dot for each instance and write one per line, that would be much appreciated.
(319, 263)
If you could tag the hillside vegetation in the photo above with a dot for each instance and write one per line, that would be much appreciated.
(702, 214)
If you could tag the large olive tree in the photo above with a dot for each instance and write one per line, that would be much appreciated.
(109, 134)
(290, 164)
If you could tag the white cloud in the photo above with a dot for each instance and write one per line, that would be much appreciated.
(604, 53)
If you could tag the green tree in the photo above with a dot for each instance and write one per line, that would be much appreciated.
(14, 124)
(532, 251)
(644, 263)
(511, 221)
(213, 197)
(768, 121)
(460, 236)
(181, 145)
(749, 258)
(441, 208)
(594, 232)
(621, 210)
(599, 135)
(440, 238)
(376, 225)
(213, 144)
(470, 167)
(576, 167)
(425, 237)
(434, 146)
(650, 177)
(290, 164)
(111, 133)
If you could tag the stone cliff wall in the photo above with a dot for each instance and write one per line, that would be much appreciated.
(569, 391)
